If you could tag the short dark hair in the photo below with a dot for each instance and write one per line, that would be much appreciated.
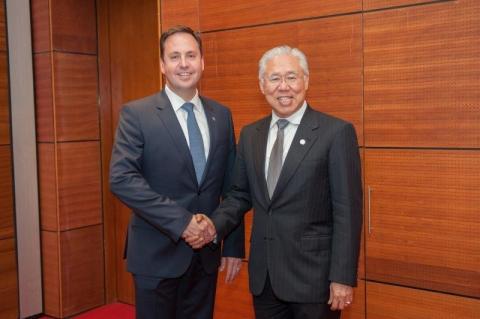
(180, 29)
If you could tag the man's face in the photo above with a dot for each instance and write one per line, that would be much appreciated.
(284, 85)
(182, 64)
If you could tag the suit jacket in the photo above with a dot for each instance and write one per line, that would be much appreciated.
(308, 234)
(152, 172)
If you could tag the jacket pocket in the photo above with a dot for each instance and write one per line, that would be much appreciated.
(315, 243)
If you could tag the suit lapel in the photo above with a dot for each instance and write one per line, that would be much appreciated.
(301, 144)
(170, 121)
(212, 128)
(260, 149)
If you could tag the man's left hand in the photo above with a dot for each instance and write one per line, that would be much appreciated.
(233, 266)
(341, 296)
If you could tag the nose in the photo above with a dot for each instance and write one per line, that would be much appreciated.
(183, 62)
(283, 85)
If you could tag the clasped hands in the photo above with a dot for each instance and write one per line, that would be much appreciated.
(199, 232)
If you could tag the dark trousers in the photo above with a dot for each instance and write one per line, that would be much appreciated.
(268, 306)
(190, 296)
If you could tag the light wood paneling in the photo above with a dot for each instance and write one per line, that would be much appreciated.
(421, 76)
(6, 195)
(380, 4)
(43, 97)
(73, 273)
(8, 280)
(333, 46)
(76, 102)
(47, 180)
(4, 103)
(175, 12)
(233, 300)
(51, 274)
(79, 188)
(425, 230)
(74, 26)
(214, 14)
(391, 302)
(40, 15)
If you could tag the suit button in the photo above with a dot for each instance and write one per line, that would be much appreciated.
(198, 193)
(269, 212)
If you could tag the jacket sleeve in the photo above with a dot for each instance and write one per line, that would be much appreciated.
(130, 186)
(238, 200)
(346, 193)
(234, 243)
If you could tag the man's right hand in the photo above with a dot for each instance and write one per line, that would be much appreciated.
(199, 232)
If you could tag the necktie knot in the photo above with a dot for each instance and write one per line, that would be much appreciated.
(282, 123)
(188, 107)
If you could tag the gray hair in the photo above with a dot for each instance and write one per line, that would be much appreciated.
(282, 50)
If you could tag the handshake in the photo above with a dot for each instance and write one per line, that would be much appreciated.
(199, 232)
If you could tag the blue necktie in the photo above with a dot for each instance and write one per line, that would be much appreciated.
(196, 142)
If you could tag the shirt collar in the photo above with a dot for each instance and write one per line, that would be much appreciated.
(177, 101)
(295, 118)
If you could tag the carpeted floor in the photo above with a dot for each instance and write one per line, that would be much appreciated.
(111, 311)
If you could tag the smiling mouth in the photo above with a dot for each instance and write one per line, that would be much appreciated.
(184, 74)
(284, 99)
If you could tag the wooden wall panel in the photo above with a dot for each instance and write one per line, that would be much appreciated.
(44, 115)
(74, 26)
(3, 33)
(176, 12)
(391, 302)
(8, 280)
(76, 97)
(6, 193)
(51, 274)
(40, 16)
(215, 15)
(82, 269)
(79, 186)
(333, 46)
(424, 219)
(73, 270)
(4, 100)
(382, 4)
(236, 293)
(48, 192)
(357, 309)
(421, 76)
(134, 73)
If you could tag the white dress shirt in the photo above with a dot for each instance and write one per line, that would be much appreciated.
(288, 133)
(182, 115)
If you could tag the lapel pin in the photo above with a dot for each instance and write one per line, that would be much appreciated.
(213, 118)
(302, 142)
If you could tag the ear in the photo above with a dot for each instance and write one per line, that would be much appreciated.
(306, 81)
(260, 84)
(203, 64)
(162, 66)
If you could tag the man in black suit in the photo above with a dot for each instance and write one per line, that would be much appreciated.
(172, 158)
(300, 171)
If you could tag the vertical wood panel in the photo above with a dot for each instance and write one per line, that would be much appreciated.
(391, 302)
(135, 73)
(3, 33)
(6, 195)
(424, 219)
(422, 86)
(40, 16)
(357, 309)
(215, 15)
(79, 188)
(8, 280)
(74, 26)
(82, 269)
(76, 97)
(47, 180)
(51, 274)
(4, 101)
(43, 97)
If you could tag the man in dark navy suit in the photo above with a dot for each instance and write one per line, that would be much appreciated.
(300, 171)
(172, 158)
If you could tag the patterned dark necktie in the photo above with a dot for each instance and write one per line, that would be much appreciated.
(196, 142)
(276, 158)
